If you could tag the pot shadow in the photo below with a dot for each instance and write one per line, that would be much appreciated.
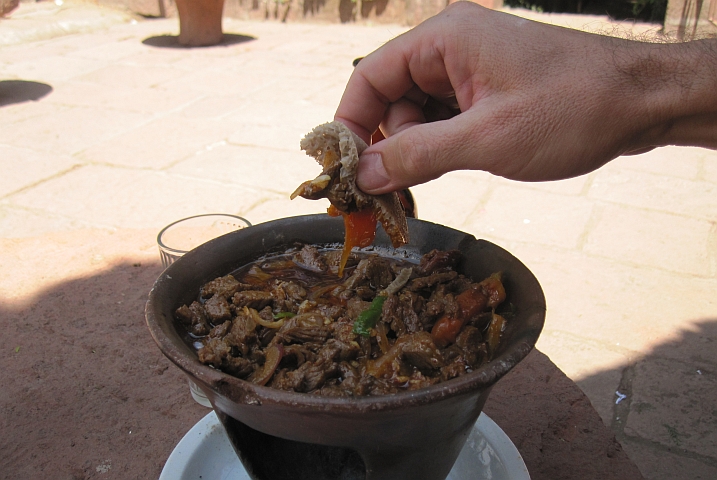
(172, 41)
(19, 91)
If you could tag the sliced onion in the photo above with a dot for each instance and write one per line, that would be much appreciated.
(273, 355)
(398, 283)
(257, 318)
(496, 327)
(256, 276)
(319, 292)
(381, 337)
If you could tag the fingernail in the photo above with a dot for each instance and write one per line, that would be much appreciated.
(371, 173)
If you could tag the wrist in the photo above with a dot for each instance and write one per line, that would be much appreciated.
(677, 87)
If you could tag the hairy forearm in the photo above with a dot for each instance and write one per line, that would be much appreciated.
(677, 84)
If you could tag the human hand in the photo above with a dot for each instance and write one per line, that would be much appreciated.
(536, 102)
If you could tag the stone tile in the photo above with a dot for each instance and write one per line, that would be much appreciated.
(361, 40)
(17, 222)
(84, 41)
(255, 135)
(123, 76)
(571, 186)
(451, 199)
(596, 369)
(49, 48)
(277, 171)
(641, 237)
(667, 464)
(212, 106)
(53, 22)
(153, 56)
(120, 198)
(304, 89)
(22, 167)
(673, 403)
(289, 66)
(18, 112)
(680, 162)
(152, 27)
(625, 308)
(693, 342)
(191, 62)
(524, 214)
(223, 82)
(159, 143)
(692, 198)
(299, 46)
(291, 112)
(329, 96)
(69, 130)
(55, 68)
(143, 100)
(710, 166)
(110, 50)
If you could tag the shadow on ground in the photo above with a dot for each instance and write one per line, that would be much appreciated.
(665, 409)
(19, 91)
(172, 41)
(87, 394)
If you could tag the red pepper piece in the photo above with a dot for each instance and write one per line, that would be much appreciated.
(360, 231)
(447, 328)
(487, 294)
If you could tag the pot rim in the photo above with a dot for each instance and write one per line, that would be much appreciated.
(252, 394)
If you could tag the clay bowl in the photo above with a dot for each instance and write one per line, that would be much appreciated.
(284, 435)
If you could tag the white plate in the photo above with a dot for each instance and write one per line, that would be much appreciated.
(205, 453)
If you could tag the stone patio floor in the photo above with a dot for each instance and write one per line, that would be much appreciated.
(129, 133)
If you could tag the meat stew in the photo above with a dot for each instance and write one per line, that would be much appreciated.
(387, 325)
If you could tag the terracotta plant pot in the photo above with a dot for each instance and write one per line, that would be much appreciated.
(284, 435)
(200, 22)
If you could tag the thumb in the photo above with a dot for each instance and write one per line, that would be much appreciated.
(415, 155)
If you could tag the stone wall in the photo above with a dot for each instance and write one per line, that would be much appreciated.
(404, 12)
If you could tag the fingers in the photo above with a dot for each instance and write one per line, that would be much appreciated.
(409, 67)
(400, 116)
(415, 155)
(378, 80)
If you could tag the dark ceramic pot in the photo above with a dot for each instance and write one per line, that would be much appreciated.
(283, 435)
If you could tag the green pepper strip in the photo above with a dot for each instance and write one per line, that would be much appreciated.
(279, 315)
(368, 318)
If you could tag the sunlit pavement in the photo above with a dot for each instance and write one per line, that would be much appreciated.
(104, 128)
